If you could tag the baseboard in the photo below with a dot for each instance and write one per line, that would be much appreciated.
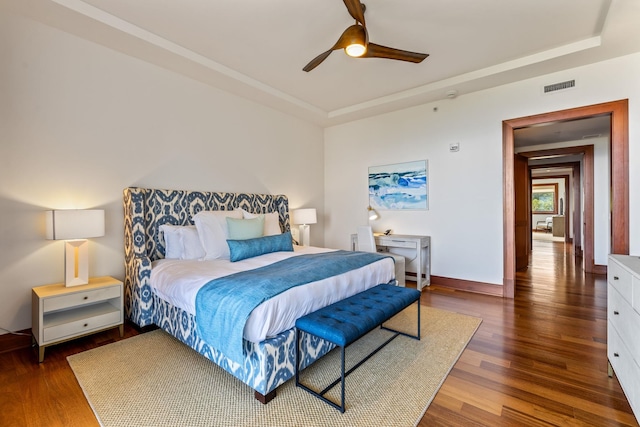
(465, 285)
(11, 342)
(468, 286)
(599, 269)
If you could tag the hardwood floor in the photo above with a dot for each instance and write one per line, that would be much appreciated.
(537, 360)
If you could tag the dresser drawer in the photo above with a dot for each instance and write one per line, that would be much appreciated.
(635, 287)
(625, 368)
(621, 279)
(624, 319)
(78, 322)
(80, 298)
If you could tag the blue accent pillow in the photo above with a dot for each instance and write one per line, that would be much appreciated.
(249, 248)
(240, 229)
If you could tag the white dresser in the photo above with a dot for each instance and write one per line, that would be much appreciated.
(623, 316)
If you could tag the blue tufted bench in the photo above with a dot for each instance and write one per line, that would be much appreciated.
(345, 321)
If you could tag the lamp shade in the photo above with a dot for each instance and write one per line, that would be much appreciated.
(305, 216)
(373, 215)
(74, 224)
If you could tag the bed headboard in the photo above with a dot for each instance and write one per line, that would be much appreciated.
(146, 209)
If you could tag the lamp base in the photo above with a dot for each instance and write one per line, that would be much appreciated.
(76, 262)
(305, 240)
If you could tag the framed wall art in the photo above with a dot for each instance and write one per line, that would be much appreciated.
(400, 186)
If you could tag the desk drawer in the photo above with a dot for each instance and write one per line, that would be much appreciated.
(80, 298)
(394, 243)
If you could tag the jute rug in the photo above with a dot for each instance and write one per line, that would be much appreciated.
(154, 380)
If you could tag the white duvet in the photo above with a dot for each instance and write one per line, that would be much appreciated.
(178, 282)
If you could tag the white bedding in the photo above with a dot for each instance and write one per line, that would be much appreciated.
(178, 282)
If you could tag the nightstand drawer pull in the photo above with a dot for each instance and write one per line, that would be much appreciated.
(616, 278)
(616, 312)
(86, 324)
(85, 298)
(616, 355)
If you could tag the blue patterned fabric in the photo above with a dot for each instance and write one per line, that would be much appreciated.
(267, 364)
(224, 304)
(345, 321)
(146, 209)
(249, 248)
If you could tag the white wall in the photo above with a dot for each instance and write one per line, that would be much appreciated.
(79, 123)
(465, 207)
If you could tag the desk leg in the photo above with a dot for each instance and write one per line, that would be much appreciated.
(419, 282)
(424, 265)
(427, 266)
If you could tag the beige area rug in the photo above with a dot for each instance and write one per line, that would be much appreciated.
(154, 380)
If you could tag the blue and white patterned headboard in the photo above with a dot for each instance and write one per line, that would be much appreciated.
(145, 210)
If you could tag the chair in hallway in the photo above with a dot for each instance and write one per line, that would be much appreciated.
(545, 225)
(367, 243)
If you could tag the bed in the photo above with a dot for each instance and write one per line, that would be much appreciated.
(266, 362)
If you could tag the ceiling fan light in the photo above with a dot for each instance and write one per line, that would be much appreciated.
(355, 50)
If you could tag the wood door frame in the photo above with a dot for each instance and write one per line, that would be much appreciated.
(619, 162)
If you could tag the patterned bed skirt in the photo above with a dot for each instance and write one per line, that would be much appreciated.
(267, 364)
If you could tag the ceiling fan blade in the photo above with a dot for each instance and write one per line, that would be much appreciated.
(378, 51)
(317, 60)
(356, 10)
(354, 32)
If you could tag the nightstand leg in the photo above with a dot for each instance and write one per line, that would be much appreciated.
(121, 329)
(41, 354)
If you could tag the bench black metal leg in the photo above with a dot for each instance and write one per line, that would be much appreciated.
(342, 376)
(343, 373)
(416, 336)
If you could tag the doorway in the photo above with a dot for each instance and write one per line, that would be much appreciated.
(619, 167)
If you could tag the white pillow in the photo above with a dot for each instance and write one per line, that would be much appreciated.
(271, 222)
(213, 232)
(181, 242)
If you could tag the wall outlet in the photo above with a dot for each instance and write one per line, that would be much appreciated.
(454, 148)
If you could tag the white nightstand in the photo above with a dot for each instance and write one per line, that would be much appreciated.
(62, 313)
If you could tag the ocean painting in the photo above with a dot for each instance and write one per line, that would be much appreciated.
(400, 186)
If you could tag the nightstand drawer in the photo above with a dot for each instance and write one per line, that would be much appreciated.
(80, 298)
(77, 322)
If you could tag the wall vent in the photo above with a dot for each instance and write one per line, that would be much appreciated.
(560, 86)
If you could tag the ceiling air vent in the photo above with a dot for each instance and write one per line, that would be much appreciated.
(559, 86)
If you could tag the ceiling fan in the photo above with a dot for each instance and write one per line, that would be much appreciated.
(355, 42)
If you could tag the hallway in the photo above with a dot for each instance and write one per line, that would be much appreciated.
(539, 359)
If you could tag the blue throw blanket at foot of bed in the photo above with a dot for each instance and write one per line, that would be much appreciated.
(223, 305)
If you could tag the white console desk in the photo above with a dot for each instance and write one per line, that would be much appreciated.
(421, 244)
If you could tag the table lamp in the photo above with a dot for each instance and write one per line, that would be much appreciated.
(75, 227)
(373, 215)
(302, 218)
